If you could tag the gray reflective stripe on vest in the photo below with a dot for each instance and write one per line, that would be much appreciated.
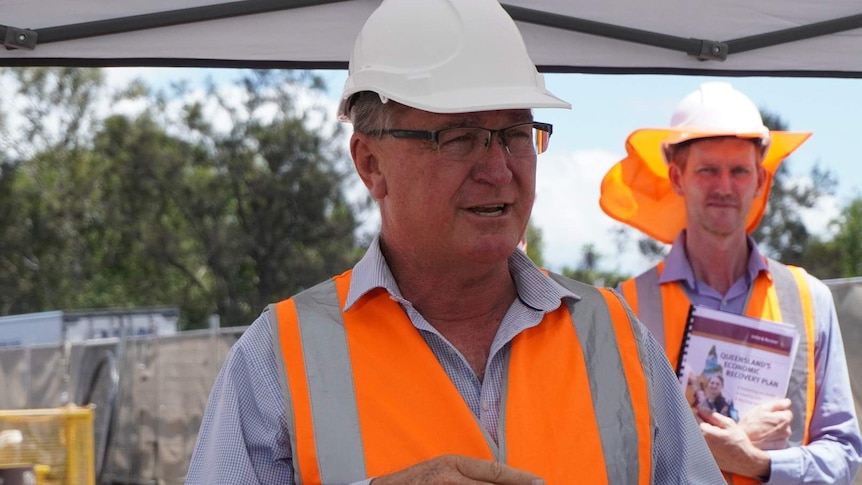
(610, 393)
(790, 304)
(338, 441)
(649, 304)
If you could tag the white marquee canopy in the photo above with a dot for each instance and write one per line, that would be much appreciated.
(728, 37)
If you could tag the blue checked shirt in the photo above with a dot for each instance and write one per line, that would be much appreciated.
(243, 437)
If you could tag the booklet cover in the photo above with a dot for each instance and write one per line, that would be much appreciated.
(730, 363)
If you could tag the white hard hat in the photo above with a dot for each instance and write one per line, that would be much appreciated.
(716, 109)
(445, 56)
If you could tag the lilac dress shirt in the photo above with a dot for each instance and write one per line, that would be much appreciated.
(833, 455)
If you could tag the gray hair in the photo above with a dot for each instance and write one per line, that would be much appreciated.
(370, 115)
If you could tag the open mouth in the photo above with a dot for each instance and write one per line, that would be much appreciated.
(489, 210)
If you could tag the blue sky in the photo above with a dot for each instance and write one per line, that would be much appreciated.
(589, 138)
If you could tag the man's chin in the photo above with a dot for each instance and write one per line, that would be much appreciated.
(723, 228)
(491, 253)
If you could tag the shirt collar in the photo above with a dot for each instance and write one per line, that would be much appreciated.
(535, 288)
(678, 268)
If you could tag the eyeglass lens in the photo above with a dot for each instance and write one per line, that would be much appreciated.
(465, 143)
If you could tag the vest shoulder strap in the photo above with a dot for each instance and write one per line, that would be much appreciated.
(796, 306)
(649, 302)
(632, 400)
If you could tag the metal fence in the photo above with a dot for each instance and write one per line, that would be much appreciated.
(150, 393)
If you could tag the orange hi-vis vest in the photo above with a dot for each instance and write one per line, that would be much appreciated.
(365, 395)
(781, 295)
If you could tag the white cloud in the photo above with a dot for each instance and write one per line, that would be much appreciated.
(567, 211)
(818, 220)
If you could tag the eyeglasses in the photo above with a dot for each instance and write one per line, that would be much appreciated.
(469, 143)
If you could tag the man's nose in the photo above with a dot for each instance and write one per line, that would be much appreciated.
(493, 166)
(496, 138)
(724, 181)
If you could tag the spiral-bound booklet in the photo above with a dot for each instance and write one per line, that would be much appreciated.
(730, 363)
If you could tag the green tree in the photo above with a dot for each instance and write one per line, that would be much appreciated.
(782, 233)
(588, 270)
(849, 239)
(841, 255)
(247, 214)
(48, 187)
(13, 240)
(143, 238)
(164, 207)
(535, 244)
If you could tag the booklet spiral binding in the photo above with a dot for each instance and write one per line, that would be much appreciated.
(689, 319)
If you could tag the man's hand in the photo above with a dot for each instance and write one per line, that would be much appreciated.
(732, 449)
(454, 469)
(768, 425)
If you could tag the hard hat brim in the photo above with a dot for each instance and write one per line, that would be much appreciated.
(679, 135)
(468, 100)
(637, 191)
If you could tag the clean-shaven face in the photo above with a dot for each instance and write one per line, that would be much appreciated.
(454, 211)
(719, 182)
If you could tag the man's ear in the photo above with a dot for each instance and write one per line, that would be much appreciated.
(674, 174)
(761, 179)
(366, 158)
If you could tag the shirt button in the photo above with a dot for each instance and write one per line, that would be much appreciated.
(485, 406)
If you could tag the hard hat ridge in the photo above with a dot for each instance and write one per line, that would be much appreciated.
(445, 56)
(716, 109)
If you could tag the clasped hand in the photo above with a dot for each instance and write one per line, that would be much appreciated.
(768, 425)
(739, 447)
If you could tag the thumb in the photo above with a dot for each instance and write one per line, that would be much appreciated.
(778, 405)
(717, 419)
(495, 472)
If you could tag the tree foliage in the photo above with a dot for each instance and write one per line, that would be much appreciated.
(848, 240)
(782, 233)
(48, 190)
(535, 244)
(841, 255)
(216, 204)
(588, 271)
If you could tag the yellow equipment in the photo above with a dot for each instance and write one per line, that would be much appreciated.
(57, 442)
